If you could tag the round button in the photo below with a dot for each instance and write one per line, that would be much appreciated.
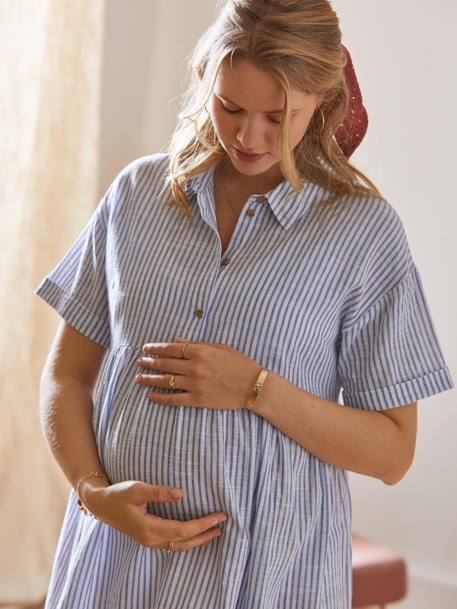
(225, 261)
(199, 313)
(251, 212)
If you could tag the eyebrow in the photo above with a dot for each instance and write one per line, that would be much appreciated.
(280, 111)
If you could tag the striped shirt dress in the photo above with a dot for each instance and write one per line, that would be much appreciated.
(331, 301)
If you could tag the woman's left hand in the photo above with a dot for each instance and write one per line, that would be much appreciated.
(211, 375)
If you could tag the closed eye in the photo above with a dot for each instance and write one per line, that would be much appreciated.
(236, 112)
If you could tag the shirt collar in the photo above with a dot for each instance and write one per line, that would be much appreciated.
(287, 205)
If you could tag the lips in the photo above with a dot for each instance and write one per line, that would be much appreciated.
(250, 153)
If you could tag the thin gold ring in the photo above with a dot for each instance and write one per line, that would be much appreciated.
(170, 547)
(171, 382)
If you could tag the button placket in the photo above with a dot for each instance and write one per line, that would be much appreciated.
(250, 212)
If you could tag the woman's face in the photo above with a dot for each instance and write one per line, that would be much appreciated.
(246, 110)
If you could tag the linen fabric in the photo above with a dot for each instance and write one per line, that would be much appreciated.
(330, 300)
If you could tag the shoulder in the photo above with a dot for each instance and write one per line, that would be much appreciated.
(386, 257)
(366, 211)
(371, 233)
(142, 178)
(150, 168)
(372, 224)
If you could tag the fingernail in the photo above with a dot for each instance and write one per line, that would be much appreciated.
(176, 494)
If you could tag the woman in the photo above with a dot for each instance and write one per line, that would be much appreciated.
(247, 291)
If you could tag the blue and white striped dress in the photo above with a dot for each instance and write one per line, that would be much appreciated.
(330, 301)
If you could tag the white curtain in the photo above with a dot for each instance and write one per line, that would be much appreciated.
(50, 82)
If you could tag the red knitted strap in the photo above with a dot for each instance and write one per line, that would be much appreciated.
(352, 131)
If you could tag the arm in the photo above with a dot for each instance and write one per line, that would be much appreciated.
(376, 444)
(66, 407)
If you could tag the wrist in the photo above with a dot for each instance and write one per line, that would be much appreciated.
(89, 485)
(86, 485)
(260, 376)
(268, 397)
(90, 488)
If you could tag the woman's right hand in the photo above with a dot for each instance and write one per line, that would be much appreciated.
(123, 506)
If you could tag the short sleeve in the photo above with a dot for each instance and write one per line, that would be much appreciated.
(389, 354)
(77, 287)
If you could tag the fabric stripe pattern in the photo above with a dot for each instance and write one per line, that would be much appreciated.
(331, 300)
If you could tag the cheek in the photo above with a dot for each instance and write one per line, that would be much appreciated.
(296, 133)
(221, 122)
(294, 137)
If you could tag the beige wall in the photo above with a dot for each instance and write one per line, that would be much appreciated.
(146, 44)
(410, 95)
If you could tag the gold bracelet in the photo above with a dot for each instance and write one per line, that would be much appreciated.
(82, 507)
(257, 387)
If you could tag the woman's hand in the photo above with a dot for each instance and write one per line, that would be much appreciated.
(210, 375)
(123, 506)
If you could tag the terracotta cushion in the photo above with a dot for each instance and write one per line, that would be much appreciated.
(379, 573)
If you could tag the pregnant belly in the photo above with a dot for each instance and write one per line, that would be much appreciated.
(220, 459)
(182, 447)
(230, 461)
(278, 498)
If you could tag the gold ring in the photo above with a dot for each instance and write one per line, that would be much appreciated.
(171, 382)
(170, 546)
(184, 346)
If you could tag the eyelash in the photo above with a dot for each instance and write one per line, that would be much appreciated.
(236, 111)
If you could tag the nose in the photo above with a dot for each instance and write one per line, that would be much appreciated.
(250, 136)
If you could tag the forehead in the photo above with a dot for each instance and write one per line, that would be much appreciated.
(245, 83)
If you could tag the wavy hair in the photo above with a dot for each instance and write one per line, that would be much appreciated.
(298, 42)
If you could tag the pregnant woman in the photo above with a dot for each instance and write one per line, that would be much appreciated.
(218, 301)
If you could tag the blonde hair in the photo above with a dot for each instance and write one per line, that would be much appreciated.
(298, 42)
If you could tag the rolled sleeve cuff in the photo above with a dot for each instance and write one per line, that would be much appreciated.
(75, 313)
(406, 392)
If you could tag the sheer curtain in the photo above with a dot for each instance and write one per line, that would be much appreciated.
(50, 86)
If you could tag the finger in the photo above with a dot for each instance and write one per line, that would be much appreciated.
(182, 398)
(193, 528)
(163, 350)
(142, 492)
(181, 381)
(164, 364)
(187, 530)
(156, 347)
(203, 539)
(197, 342)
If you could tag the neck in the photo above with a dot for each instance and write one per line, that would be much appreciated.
(249, 184)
